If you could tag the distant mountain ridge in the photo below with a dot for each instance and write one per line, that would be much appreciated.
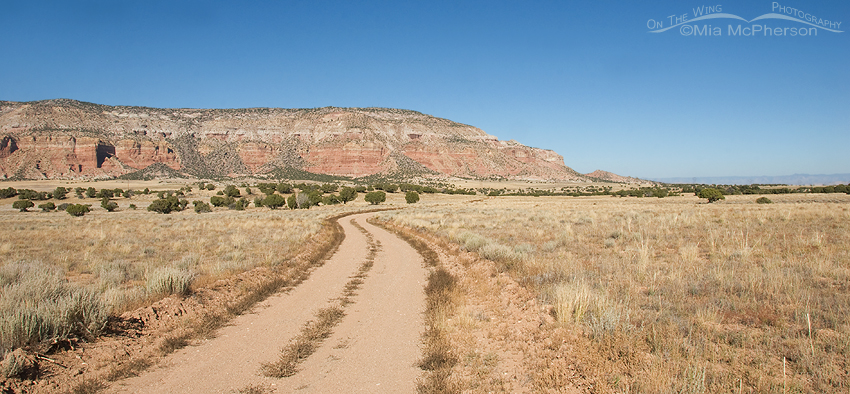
(69, 139)
(796, 179)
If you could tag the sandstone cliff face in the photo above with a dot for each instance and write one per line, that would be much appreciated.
(71, 139)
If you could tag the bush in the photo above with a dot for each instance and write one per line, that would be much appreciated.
(711, 194)
(347, 194)
(170, 280)
(284, 188)
(239, 205)
(38, 304)
(231, 191)
(201, 207)
(167, 205)
(222, 201)
(210, 186)
(258, 202)
(110, 206)
(8, 192)
(763, 200)
(291, 202)
(132, 206)
(22, 205)
(331, 199)
(78, 209)
(60, 193)
(411, 197)
(375, 197)
(47, 207)
(63, 206)
(274, 201)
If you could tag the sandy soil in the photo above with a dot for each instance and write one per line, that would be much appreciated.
(375, 347)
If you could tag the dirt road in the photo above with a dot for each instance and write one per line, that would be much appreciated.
(374, 348)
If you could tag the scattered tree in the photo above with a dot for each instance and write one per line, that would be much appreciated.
(291, 202)
(60, 193)
(711, 194)
(47, 207)
(274, 201)
(411, 197)
(284, 188)
(78, 209)
(347, 194)
(375, 197)
(8, 192)
(22, 205)
(201, 207)
(231, 191)
(110, 206)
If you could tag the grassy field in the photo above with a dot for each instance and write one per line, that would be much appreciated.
(673, 294)
(670, 295)
(61, 272)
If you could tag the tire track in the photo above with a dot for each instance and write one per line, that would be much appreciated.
(316, 331)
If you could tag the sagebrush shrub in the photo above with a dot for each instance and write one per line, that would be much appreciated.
(170, 280)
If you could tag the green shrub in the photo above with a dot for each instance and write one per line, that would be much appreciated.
(47, 207)
(292, 202)
(231, 191)
(210, 186)
(201, 207)
(78, 209)
(63, 206)
(170, 280)
(8, 192)
(763, 200)
(284, 188)
(110, 206)
(22, 205)
(331, 199)
(168, 205)
(711, 194)
(60, 193)
(274, 201)
(239, 205)
(375, 197)
(411, 197)
(347, 194)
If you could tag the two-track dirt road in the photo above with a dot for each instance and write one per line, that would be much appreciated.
(373, 349)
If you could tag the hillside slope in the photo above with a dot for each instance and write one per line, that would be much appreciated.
(65, 139)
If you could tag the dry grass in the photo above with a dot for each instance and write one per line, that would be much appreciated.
(83, 269)
(674, 295)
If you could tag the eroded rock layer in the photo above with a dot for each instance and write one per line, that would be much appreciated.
(62, 138)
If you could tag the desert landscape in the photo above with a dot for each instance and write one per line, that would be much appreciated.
(463, 292)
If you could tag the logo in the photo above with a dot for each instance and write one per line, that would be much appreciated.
(687, 26)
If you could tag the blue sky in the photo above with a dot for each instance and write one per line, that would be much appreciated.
(584, 78)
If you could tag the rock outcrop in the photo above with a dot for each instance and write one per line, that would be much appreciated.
(612, 177)
(64, 138)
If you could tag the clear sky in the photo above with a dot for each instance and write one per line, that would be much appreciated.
(585, 78)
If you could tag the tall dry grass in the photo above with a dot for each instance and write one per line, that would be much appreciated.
(677, 295)
(63, 275)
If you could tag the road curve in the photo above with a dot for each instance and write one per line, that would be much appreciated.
(374, 348)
